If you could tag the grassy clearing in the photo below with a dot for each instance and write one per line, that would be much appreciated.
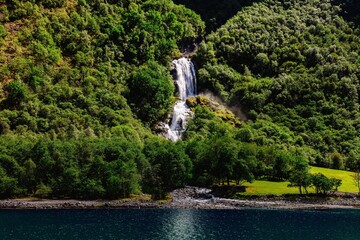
(280, 188)
(346, 177)
(269, 188)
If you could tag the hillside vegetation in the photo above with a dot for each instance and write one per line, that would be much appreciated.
(84, 83)
(65, 64)
(81, 83)
(292, 67)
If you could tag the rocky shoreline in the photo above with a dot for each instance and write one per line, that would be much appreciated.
(188, 198)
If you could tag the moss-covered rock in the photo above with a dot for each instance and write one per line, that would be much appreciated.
(227, 116)
(220, 110)
(192, 102)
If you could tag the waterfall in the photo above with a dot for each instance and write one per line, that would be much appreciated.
(185, 78)
(186, 84)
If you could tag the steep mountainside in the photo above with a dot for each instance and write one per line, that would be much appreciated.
(84, 83)
(65, 64)
(294, 64)
(81, 83)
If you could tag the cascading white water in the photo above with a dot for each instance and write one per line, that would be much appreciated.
(186, 85)
(185, 78)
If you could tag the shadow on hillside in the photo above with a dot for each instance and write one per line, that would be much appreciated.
(350, 10)
(214, 12)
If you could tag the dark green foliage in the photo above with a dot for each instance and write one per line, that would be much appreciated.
(151, 89)
(323, 184)
(69, 90)
(170, 166)
(293, 72)
(337, 160)
(70, 169)
(123, 180)
(43, 191)
(91, 168)
(282, 165)
(221, 153)
(66, 64)
(74, 74)
(300, 176)
(9, 187)
(29, 175)
(219, 157)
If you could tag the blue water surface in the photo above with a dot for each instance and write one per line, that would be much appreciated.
(179, 224)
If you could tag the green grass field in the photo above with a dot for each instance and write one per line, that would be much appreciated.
(280, 188)
(268, 188)
(347, 185)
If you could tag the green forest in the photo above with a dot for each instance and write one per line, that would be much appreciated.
(84, 84)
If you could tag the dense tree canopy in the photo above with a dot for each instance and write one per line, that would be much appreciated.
(83, 84)
(65, 65)
(292, 65)
(156, 87)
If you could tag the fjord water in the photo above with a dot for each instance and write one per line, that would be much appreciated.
(179, 224)
(185, 80)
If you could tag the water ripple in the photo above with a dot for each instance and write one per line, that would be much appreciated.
(171, 224)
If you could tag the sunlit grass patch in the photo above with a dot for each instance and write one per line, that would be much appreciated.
(346, 177)
(269, 188)
(281, 188)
